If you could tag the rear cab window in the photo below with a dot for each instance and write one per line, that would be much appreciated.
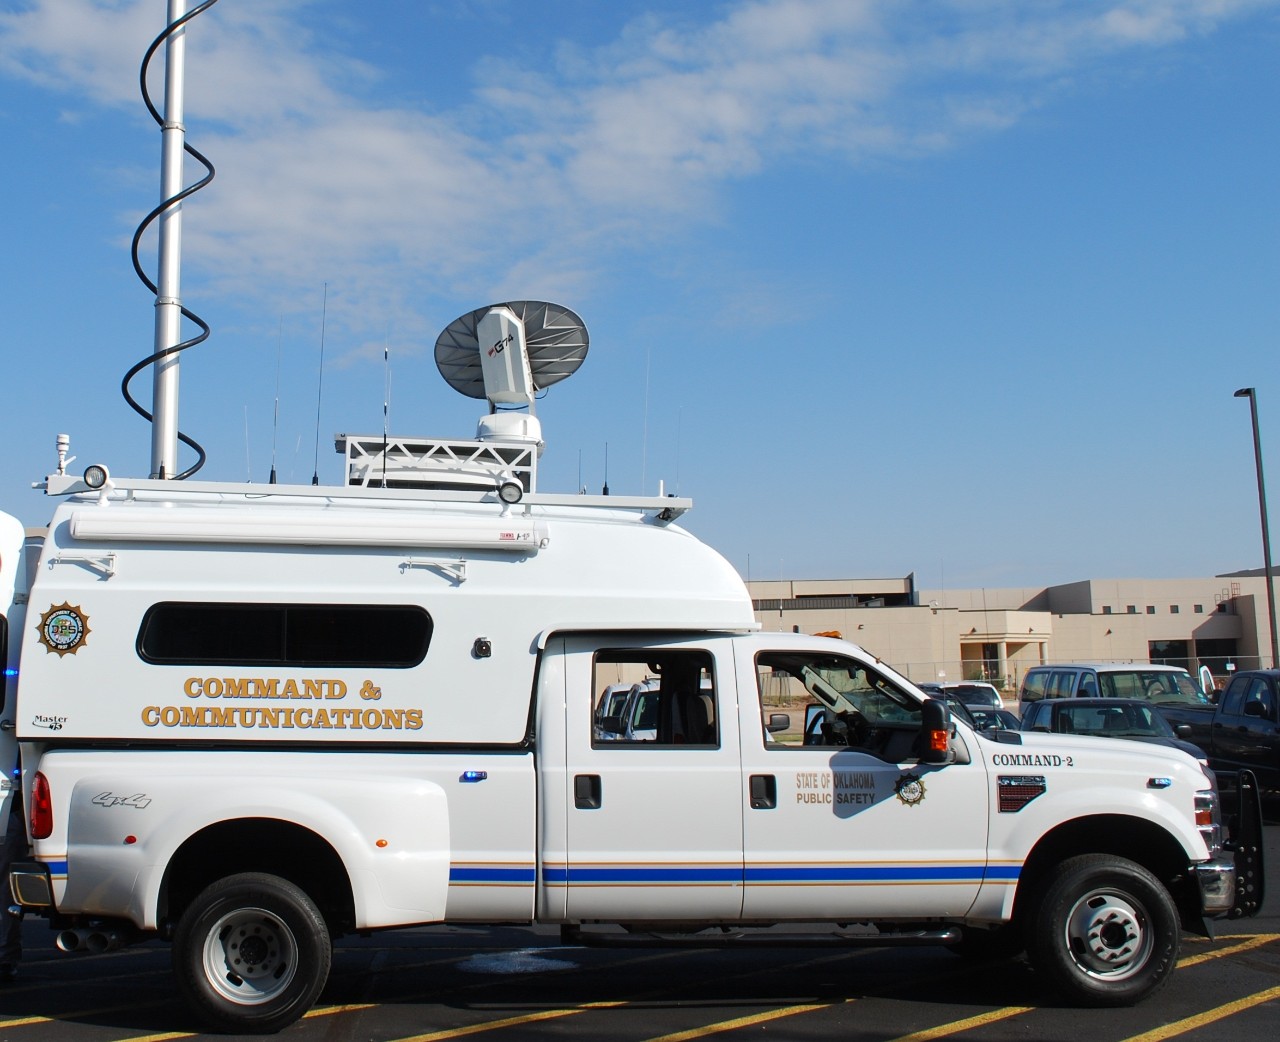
(671, 699)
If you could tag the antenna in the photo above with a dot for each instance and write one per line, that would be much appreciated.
(605, 491)
(324, 314)
(528, 345)
(644, 437)
(386, 399)
(275, 416)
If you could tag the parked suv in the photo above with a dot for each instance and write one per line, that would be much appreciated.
(1151, 683)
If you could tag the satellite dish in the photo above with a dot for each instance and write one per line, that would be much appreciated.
(555, 342)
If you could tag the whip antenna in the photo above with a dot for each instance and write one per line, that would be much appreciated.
(324, 314)
(275, 417)
(386, 400)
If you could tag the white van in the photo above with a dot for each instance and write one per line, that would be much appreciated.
(1145, 680)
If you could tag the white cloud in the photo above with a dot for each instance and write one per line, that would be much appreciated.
(317, 182)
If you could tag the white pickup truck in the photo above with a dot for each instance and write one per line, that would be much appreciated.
(255, 718)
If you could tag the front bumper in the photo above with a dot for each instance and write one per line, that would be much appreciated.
(1216, 881)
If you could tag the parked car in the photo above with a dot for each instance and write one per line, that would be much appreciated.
(987, 719)
(975, 693)
(961, 710)
(610, 704)
(1158, 684)
(1132, 719)
(1242, 731)
(627, 713)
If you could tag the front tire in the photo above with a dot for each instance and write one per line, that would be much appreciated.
(1105, 932)
(251, 954)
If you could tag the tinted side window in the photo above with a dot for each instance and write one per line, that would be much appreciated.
(1260, 694)
(1061, 683)
(392, 636)
(1033, 685)
(1233, 697)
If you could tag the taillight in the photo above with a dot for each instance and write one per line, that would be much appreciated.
(40, 814)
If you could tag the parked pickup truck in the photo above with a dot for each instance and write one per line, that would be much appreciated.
(1241, 731)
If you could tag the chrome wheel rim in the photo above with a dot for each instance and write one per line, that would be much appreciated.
(1108, 935)
(250, 956)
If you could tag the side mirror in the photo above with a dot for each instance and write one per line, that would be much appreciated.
(612, 724)
(1255, 709)
(1183, 731)
(935, 732)
(778, 722)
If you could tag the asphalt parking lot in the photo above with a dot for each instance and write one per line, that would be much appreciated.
(516, 983)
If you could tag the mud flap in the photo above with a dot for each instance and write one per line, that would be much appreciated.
(1246, 844)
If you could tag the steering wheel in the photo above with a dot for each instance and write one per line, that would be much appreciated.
(849, 728)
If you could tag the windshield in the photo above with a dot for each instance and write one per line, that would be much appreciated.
(1163, 687)
(1121, 721)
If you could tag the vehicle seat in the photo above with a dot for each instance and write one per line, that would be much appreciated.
(697, 726)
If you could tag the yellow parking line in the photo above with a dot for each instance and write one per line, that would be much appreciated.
(1245, 945)
(741, 1022)
(1211, 1016)
(509, 1022)
(956, 1026)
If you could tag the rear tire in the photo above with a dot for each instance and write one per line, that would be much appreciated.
(1104, 932)
(251, 954)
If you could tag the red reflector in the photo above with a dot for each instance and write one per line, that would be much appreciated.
(40, 815)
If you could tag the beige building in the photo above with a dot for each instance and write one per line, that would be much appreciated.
(996, 634)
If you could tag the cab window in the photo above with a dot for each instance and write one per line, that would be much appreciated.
(1061, 683)
(654, 697)
(812, 699)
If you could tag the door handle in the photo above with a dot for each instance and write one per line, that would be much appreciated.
(764, 792)
(586, 791)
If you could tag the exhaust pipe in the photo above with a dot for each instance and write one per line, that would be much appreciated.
(99, 941)
(95, 941)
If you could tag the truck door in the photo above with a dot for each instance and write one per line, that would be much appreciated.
(842, 820)
(654, 816)
(1245, 734)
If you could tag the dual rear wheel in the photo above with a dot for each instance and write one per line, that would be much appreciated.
(251, 954)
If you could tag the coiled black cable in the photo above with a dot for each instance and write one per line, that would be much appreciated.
(146, 223)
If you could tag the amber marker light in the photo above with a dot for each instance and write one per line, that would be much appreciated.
(938, 741)
(381, 843)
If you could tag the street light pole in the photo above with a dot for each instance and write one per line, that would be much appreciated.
(1251, 394)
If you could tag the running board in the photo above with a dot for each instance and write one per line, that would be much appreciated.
(574, 935)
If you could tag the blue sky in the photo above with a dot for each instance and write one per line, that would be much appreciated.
(961, 287)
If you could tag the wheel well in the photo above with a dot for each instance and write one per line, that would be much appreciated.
(279, 848)
(1136, 839)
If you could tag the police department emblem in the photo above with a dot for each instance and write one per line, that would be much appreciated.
(63, 629)
(909, 788)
